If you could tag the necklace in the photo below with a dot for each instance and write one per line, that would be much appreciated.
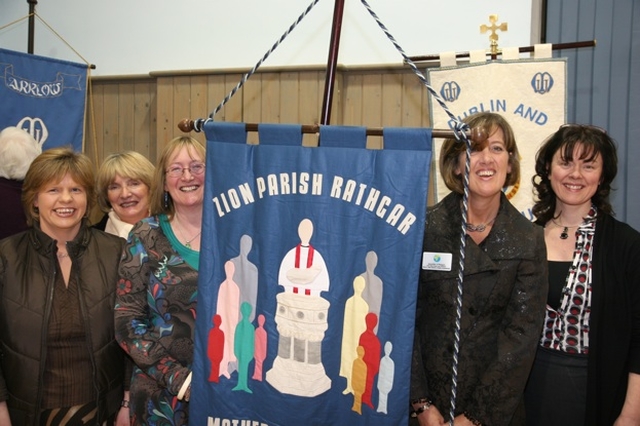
(478, 228)
(187, 243)
(62, 255)
(565, 229)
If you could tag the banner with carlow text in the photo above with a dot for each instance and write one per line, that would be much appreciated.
(44, 96)
(529, 93)
(308, 276)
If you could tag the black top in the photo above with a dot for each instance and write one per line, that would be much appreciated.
(558, 272)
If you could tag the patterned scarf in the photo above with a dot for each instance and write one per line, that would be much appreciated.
(567, 329)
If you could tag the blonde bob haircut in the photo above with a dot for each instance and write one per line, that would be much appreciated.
(451, 149)
(126, 164)
(51, 167)
(158, 194)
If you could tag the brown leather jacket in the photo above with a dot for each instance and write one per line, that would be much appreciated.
(27, 275)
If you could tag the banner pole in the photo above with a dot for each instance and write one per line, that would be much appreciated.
(524, 49)
(334, 46)
(32, 11)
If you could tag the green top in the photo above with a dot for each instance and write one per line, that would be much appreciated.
(192, 257)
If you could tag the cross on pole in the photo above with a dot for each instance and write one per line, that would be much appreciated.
(493, 28)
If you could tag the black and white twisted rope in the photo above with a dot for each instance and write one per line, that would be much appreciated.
(197, 125)
(460, 129)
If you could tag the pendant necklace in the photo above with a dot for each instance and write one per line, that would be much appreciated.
(565, 229)
(187, 243)
(478, 228)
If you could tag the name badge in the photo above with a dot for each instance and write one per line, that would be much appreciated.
(436, 261)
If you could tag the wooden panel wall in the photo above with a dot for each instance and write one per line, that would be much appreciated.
(143, 113)
(121, 115)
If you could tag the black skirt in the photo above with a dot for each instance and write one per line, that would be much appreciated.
(556, 393)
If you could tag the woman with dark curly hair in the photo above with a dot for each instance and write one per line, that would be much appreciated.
(587, 367)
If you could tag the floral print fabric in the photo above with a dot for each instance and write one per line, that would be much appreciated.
(155, 323)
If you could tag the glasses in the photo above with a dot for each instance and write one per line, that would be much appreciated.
(583, 126)
(177, 171)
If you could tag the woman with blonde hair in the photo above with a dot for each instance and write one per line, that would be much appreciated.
(60, 364)
(124, 183)
(156, 299)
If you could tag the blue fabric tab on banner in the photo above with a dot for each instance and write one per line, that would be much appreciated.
(343, 136)
(418, 139)
(280, 134)
(225, 132)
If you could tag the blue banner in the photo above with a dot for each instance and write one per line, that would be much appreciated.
(44, 96)
(308, 277)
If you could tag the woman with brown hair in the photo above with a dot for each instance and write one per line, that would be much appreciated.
(505, 283)
(60, 363)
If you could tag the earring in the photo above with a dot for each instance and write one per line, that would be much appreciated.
(166, 200)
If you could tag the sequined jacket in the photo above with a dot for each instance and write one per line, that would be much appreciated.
(504, 296)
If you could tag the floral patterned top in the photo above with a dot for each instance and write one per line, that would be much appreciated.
(155, 316)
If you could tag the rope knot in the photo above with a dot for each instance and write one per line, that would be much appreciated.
(460, 131)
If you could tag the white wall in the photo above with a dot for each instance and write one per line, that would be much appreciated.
(123, 37)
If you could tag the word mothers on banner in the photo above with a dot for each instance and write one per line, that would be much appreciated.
(305, 183)
(233, 422)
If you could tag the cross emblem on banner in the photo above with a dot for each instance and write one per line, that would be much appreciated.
(493, 28)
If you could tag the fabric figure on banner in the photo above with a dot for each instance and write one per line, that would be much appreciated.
(228, 308)
(246, 275)
(372, 293)
(260, 350)
(244, 347)
(303, 269)
(385, 378)
(358, 379)
(215, 348)
(355, 310)
(302, 320)
(371, 344)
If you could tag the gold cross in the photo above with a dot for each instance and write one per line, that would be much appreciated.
(493, 28)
